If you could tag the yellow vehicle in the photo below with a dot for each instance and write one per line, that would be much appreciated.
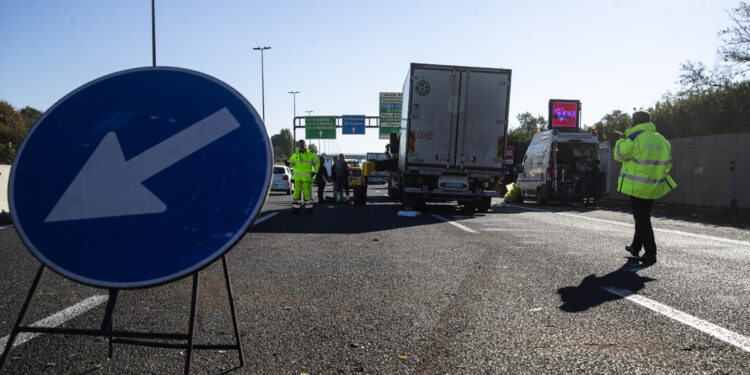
(355, 177)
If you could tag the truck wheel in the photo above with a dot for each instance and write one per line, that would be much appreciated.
(484, 204)
(410, 201)
(468, 207)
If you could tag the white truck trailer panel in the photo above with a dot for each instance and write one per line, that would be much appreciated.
(456, 118)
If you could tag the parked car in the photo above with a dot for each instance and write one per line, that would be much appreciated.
(282, 179)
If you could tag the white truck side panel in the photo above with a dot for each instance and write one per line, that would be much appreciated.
(432, 118)
(482, 123)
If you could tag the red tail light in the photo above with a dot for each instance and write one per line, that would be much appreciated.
(549, 176)
(286, 177)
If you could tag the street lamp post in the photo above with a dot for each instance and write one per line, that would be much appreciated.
(262, 79)
(294, 95)
(309, 111)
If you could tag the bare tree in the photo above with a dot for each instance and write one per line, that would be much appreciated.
(736, 39)
(734, 53)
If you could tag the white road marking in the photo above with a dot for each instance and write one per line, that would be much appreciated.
(451, 222)
(6, 226)
(264, 218)
(56, 319)
(720, 333)
(702, 236)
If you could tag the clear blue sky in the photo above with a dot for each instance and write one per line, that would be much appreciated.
(610, 54)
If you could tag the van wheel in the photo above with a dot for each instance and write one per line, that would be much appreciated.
(540, 198)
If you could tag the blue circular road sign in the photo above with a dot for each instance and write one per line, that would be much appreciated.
(140, 177)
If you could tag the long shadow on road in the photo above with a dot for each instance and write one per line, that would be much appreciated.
(379, 214)
(589, 292)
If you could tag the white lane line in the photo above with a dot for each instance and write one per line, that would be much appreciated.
(449, 221)
(720, 333)
(56, 319)
(702, 236)
(6, 226)
(264, 218)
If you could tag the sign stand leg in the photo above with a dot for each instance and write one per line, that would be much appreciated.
(234, 313)
(126, 337)
(189, 351)
(17, 327)
(107, 322)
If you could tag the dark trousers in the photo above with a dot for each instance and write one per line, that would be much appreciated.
(644, 233)
(321, 189)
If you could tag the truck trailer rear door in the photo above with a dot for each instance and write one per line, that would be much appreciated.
(432, 117)
(483, 120)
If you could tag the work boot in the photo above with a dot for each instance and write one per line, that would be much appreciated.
(632, 251)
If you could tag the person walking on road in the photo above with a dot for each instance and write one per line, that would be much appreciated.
(333, 177)
(305, 165)
(321, 177)
(342, 179)
(644, 176)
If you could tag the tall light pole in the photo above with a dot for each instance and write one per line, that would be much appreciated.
(294, 95)
(262, 80)
(309, 111)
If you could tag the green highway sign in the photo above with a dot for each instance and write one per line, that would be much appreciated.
(320, 127)
(390, 113)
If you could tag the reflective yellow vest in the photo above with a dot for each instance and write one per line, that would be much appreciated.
(646, 161)
(305, 163)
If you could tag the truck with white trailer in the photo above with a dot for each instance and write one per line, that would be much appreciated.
(453, 129)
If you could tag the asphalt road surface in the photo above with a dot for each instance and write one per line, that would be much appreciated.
(522, 289)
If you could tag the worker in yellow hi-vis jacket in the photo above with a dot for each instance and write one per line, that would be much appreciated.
(305, 164)
(644, 176)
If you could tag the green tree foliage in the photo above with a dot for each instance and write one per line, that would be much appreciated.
(521, 137)
(719, 111)
(616, 121)
(13, 128)
(283, 145)
(530, 122)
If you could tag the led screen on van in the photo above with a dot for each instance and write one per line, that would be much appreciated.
(564, 114)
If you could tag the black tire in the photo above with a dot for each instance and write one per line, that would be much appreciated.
(469, 207)
(360, 195)
(484, 204)
(410, 200)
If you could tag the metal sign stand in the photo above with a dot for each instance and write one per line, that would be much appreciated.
(130, 337)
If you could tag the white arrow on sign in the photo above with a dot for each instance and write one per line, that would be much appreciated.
(109, 186)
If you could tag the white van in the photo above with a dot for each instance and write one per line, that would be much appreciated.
(565, 166)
